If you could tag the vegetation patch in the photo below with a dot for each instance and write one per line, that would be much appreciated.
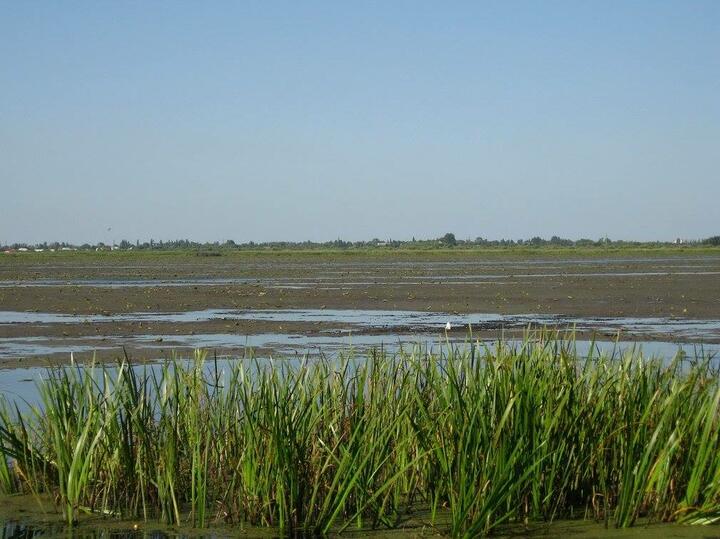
(474, 438)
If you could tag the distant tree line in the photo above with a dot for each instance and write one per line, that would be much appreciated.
(445, 241)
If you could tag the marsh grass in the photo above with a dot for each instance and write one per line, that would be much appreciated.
(475, 437)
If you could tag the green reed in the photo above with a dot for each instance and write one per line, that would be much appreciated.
(474, 437)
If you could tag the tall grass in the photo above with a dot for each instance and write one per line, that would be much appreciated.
(511, 435)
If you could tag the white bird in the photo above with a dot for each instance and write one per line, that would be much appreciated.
(448, 326)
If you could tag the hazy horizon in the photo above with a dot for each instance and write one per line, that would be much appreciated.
(287, 122)
(111, 240)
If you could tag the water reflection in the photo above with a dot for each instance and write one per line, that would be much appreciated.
(12, 529)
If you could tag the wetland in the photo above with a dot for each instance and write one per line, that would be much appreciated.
(402, 348)
(51, 305)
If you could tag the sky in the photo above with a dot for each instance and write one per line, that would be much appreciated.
(263, 121)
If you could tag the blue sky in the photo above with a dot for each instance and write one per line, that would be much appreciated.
(318, 120)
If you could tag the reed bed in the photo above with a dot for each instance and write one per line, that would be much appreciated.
(473, 438)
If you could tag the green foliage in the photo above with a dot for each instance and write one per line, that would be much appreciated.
(514, 434)
(375, 245)
(449, 240)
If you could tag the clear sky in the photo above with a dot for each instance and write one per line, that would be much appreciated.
(323, 120)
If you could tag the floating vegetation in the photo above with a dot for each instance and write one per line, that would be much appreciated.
(475, 437)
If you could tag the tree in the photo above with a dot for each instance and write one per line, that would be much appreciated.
(537, 240)
(449, 240)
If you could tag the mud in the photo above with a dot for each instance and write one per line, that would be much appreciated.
(104, 287)
(683, 285)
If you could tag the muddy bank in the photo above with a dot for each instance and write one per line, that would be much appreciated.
(28, 339)
(111, 292)
(689, 295)
(27, 516)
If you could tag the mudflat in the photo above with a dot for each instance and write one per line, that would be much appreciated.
(664, 283)
(617, 283)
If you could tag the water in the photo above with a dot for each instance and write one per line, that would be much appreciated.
(19, 385)
(680, 328)
(22, 317)
(27, 529)
(14, 529)
(279, 343)
(22, 347)
(336, 325)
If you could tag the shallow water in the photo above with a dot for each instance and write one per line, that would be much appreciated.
(23, 317)
(20, 385)
(680, 328)
(22, 347)
(337, 329)
(289, 344)
(26, 528)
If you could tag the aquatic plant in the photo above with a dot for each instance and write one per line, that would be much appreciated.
(475, 436)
